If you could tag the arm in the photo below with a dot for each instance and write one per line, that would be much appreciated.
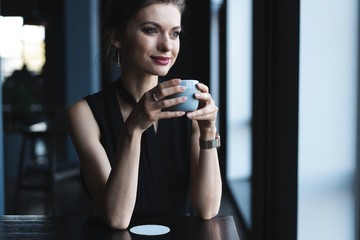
(113, 190)
(206, 184)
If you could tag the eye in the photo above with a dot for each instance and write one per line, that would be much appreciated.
(150, 31)
(175, 34)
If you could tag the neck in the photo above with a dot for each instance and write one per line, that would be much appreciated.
(138, 86)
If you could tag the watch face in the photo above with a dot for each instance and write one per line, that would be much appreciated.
(218, 143)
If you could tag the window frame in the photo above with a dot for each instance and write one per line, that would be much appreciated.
(275, 117)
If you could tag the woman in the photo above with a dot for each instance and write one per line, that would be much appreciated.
(137, 159)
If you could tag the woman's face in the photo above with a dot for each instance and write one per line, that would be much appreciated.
(151, 41)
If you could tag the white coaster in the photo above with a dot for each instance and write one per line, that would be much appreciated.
(150, 230)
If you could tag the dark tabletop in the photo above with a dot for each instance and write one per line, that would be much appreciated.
(85, 227)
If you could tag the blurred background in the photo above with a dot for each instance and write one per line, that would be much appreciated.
(285, 75)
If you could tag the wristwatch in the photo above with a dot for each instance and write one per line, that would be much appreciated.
(215, 143)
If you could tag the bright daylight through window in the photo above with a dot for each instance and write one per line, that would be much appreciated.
(21, 45)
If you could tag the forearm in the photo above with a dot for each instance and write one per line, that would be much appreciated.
(121, 187)
(206, 187)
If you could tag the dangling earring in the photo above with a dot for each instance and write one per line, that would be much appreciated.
(118, 58)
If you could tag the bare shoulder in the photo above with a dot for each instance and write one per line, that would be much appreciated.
(78, 108)
(79, 118)
(79, 111)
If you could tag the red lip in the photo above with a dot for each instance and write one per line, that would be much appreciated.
(161, 60)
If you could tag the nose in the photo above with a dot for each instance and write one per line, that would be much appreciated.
(165, 43)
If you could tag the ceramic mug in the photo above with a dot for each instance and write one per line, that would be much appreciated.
(192, 103)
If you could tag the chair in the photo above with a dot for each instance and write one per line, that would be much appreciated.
(38, 167)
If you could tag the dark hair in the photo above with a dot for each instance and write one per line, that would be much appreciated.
(119, 12)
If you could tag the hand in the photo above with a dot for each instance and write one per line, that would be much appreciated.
(207, 112)
(148, 109)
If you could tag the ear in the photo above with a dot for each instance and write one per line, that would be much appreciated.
(116, 44)
(115, 39)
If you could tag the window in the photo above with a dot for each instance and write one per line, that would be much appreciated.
(327, 119)
(21, 45)
(239, 105)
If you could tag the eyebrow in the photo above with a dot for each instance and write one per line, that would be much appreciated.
(157, 25)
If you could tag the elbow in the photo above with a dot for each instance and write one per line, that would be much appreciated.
(207, 215)
(115, 217)
(207, 209)
(117, 223)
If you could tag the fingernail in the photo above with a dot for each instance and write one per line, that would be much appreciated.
(184, 99)
(197, 94)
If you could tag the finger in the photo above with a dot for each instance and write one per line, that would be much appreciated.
(211, 117)
(168, 114)
(203, 96)
(205, 99)
(169, 83)
(160, 104)
(171, 102)
(203, 88)
(168, 88)
(156, 115)
(209, 110)
(167, 92)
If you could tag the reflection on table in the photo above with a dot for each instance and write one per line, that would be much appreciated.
(83, 227)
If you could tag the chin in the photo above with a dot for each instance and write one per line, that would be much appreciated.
(160, 70)
(162, 73)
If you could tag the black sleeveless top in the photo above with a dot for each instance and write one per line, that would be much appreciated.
(164, 170)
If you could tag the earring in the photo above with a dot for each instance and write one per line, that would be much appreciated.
(118, 58)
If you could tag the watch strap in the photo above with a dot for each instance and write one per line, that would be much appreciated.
(208, 144)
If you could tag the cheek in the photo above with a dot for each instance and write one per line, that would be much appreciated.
(175, 51)
(143, 47)
(133, 50)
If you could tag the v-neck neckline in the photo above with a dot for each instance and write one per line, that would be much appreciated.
(126, 96)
